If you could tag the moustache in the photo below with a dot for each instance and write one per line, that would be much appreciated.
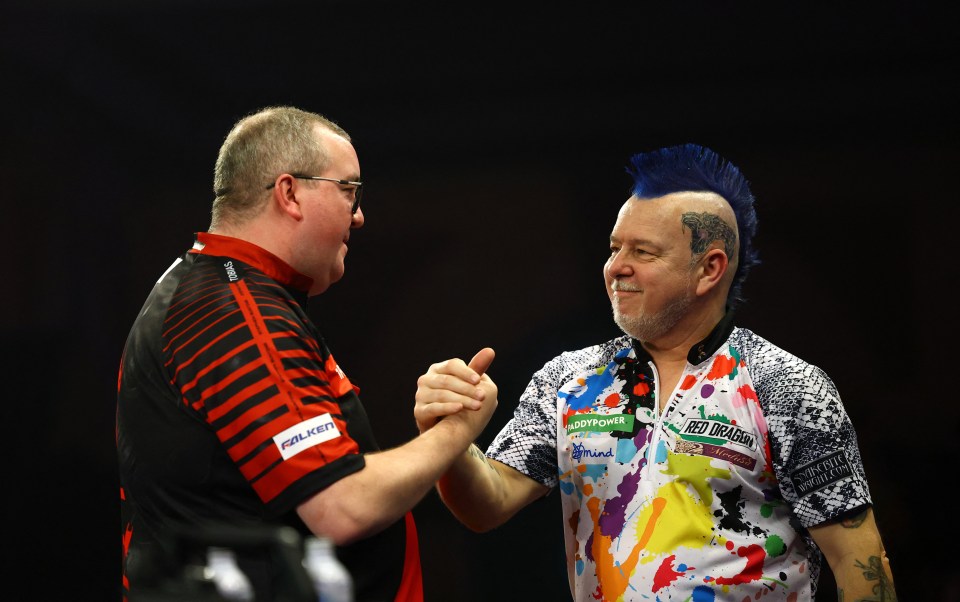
(626, 287)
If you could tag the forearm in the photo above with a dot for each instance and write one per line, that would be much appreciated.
(483, 493)
(854, 549)
(864, 578)
(391, 483)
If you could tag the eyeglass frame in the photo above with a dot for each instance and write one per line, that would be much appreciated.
(357, 187)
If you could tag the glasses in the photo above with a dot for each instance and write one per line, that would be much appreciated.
(357, 187)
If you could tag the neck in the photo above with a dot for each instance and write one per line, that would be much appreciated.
(257, 233)
(673, 347)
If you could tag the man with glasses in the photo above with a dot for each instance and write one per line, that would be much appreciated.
(694, 460)
(232, 410)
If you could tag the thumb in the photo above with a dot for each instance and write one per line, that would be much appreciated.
(482, 360)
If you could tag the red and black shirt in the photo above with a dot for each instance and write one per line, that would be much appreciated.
(231, 410)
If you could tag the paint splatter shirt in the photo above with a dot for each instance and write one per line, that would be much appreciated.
(710, 497)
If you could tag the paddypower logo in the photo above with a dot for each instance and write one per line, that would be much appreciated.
(306, 434)
(599, 423)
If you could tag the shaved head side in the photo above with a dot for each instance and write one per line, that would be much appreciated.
(711, 223)
(707, 228)
(727, 217)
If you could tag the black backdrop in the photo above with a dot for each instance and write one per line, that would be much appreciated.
(492, 140)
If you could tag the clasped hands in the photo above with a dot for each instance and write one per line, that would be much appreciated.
(455, 390)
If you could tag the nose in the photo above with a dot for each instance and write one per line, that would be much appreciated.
(357, 219)
(617, 266)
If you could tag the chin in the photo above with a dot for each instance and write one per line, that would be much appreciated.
(335, 275)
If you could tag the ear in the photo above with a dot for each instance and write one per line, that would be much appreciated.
(713, 266)
(284, 196)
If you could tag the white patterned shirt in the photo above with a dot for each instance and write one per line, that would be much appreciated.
(710, 498)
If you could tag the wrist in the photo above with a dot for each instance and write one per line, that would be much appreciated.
(453, 433)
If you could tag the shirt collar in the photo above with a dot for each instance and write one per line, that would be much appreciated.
(218, 245)
(702, 349)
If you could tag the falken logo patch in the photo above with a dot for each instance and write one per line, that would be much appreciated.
(599, 423)
(820, 473)
(305, 435)
(714, 431)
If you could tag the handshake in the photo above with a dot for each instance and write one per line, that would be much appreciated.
(451, 386)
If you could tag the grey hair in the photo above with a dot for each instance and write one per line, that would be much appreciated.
(260, 147)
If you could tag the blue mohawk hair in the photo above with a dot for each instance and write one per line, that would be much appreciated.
(695, 168)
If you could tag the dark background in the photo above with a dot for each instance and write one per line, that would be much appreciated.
(492, 140)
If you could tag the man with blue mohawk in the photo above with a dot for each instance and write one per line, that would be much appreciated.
(695, 459)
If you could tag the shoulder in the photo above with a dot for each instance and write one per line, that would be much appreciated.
(780, 377)
(760, 354)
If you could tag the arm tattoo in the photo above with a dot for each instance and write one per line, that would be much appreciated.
(476, 453)
(852, 522)
(883, 591)
(706, 228)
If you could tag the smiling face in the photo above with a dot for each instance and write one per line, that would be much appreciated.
(654, 279)
(327, 218)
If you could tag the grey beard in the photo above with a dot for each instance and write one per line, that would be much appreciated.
(647, 327)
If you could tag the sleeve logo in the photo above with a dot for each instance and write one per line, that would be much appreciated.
(305, 435)
(820, 473)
